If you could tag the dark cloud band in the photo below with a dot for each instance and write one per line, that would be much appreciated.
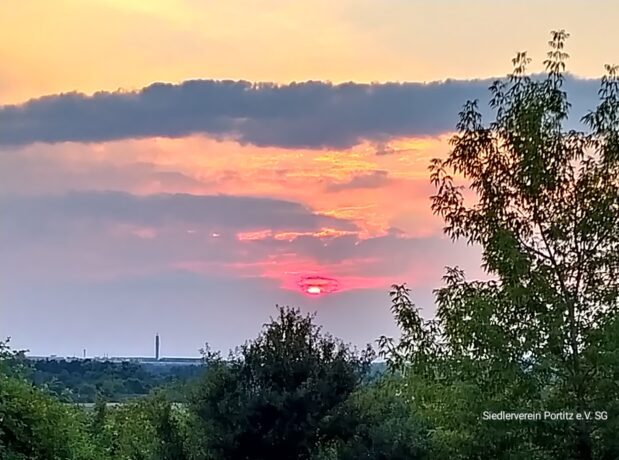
(236, 213)
(298, 115)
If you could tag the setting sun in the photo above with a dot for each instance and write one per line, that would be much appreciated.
(315, 285)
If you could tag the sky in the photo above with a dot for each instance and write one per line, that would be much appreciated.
(182, 167)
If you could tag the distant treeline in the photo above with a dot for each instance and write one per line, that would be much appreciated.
(82, 381)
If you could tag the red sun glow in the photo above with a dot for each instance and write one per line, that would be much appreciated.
(316, 285)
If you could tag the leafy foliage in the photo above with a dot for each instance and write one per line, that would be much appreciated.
(147, 428)
(278, 397)
(376, 423)
(82, 380)
(34, 425)
(546, 216)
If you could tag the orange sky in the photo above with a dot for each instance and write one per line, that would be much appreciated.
(51, 46)
(209, 166)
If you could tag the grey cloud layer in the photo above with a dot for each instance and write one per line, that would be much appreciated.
(220, 211)
(49, 236)
(311, 114)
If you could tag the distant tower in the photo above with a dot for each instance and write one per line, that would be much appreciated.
(157, 347)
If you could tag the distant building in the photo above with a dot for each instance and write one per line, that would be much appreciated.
(178, 361)
(157, 347)
(156, 360)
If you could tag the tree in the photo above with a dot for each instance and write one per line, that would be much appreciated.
(34, 425)
(12, 362)
(99, 416)
(376, 423)
(278, 396)
(128, 433)
(546, 216)
(170, 425)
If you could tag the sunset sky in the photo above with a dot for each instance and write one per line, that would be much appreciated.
(182, 166)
